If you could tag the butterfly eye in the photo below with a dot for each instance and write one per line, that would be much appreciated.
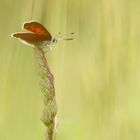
(54, 40)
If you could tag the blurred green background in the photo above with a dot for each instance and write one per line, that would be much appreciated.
(97, 75)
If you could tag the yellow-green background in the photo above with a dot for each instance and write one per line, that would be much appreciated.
(97, 76)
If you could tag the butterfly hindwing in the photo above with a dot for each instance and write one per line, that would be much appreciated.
(38, 29)
(29, 38)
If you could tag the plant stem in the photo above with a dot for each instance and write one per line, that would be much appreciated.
(48, 90)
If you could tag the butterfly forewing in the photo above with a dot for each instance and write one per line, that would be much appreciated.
(38, 29)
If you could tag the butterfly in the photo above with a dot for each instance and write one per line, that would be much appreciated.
(37, 35)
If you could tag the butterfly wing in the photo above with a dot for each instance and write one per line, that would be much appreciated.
(38, 29)
(29, 38)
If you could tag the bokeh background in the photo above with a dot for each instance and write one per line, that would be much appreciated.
(97, 76)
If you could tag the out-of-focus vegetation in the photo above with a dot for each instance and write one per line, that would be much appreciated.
(97, 76)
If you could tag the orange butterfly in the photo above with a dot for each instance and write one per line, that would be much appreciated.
(38, 35)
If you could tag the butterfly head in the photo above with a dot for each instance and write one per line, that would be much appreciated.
(55, 40)
(51, 43)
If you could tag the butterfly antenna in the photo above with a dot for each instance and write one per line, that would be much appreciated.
(58, 35)
(68, 36)
(65, 36)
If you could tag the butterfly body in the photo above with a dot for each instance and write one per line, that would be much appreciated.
(37, 35)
